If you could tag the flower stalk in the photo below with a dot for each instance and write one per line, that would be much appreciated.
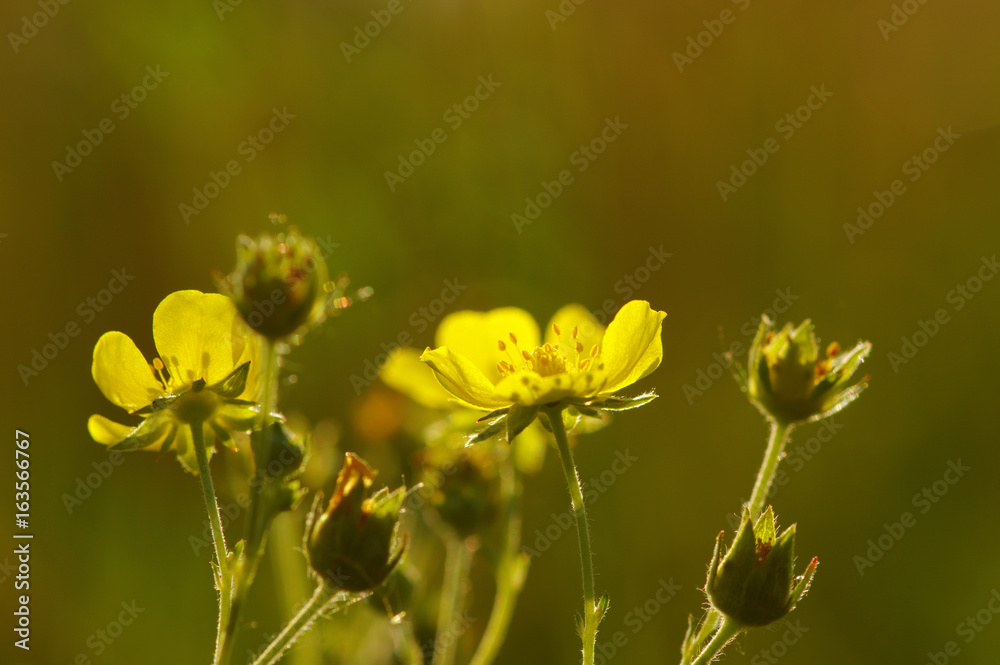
(592, 612)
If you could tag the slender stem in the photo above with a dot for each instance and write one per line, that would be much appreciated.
(723, 636)
(457, 563)
(590, 618)
(255, 540)
(775, 446)
(510, 570)
(325, 600)
(211, 502)
(221, 556)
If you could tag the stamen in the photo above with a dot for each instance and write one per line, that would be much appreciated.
(501, 345)
(576, 331)
(555, 328)
(527, 356)
(579, 347)
(593, 351)
(158, 367)
(513, 338)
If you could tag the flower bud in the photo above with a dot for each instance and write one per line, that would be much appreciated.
(276, 453)
(789, 381)
(465, 490)
(754, 584)
(353, 545)
(278, 284)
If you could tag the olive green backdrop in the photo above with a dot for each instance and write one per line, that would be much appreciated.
(691, 93)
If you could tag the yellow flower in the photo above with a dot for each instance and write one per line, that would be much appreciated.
(207, 374)
(496, 360)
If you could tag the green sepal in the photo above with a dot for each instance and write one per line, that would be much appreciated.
(518, 418)
(148, 431)
(233, 385)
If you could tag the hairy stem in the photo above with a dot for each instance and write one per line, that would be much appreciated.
(219, 538)
(775, 447)
(723, 636)
(590, 612)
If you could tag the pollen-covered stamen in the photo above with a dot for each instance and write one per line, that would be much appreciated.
(158, 369)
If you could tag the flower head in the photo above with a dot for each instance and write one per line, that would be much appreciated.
(497, 359)
(788, 379)
(754, 584)
(353, 544)
(278, 285)
(206, 374)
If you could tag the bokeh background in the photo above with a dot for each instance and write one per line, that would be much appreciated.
(227, 67)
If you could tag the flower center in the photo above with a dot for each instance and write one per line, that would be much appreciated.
(196, 405)
(548, 359)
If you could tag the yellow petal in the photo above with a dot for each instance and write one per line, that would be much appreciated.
(247, 347)
(122, 374)
(193, 332)
(108, 432)
(474, 335)
(632, 344)
(590, 331)
(460, 377)
(404, 372)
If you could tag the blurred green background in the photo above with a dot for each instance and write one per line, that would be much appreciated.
(655, 186)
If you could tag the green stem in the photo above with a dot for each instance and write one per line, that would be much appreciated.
(511, 570)
(775, 446)
(590, 617)
(457, 563)
(324, 601)
(256, 537)
(214, 518)
(723, 636)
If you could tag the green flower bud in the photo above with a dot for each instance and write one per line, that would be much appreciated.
(465, 489)
(276, 453)
(789, 381)
(754, 584)
(279, 281)
(353, 545)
